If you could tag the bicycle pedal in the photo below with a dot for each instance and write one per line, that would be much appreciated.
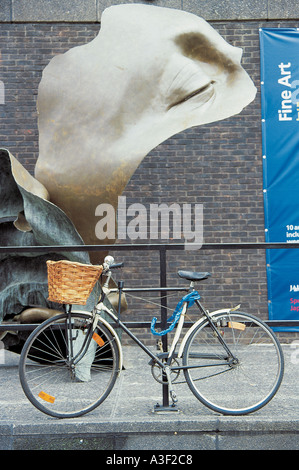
(173, 397)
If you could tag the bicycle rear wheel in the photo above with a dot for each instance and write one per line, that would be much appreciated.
(48, 379)
(231, 386)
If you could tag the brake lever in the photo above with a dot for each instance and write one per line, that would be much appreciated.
(107, 269)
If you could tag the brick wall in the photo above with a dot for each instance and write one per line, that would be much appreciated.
(218, 165)
(25, 50)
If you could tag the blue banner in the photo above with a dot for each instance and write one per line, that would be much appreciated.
(280, 136)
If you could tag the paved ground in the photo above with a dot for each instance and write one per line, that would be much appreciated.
(127, 420)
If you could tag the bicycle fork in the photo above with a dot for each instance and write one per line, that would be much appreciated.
(234, 359)
(73, 360)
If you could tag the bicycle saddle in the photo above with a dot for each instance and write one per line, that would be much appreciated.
(193, 276)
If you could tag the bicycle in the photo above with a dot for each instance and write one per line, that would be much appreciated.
(232, 361)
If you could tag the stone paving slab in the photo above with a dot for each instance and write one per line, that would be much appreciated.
(127, 420)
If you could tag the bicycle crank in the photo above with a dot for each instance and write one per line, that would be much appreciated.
(172, 393)
(157, 372)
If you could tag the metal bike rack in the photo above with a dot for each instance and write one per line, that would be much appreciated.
(162, 248)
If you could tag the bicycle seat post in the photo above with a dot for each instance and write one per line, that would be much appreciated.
(191, 287)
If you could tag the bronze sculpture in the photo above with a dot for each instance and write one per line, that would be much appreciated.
(149, 74)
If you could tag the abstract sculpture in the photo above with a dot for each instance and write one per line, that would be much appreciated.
(150, 73)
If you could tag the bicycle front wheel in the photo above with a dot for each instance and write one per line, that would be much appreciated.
(50, 380)
(239, 383)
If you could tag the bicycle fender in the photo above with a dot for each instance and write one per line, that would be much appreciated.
(111, 329)
(190, 331)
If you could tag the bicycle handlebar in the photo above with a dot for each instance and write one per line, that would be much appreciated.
(109, 264)
(116, 265)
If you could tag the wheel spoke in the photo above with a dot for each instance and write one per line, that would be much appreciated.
(234, 387)
(49, 379)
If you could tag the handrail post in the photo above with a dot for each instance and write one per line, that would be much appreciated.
(163, 282)
(163, 297)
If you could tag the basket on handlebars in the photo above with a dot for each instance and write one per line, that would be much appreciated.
(70, 282)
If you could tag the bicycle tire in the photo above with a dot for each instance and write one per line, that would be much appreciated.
(234, 388)
(48, 380)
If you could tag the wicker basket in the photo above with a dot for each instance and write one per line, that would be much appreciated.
(70, 282)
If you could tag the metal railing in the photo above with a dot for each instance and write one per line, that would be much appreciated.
(163, 289)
